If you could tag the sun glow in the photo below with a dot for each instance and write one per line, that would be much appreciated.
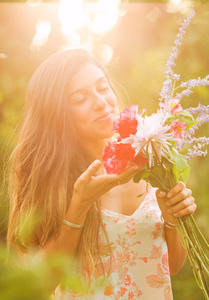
(83, 23)
(181, 6)
(43, 29)
(98, 17)
(71, 16)
(105, 16)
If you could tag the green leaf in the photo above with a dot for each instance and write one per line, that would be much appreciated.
(138, 196)
(181, 166)
(158, 176)
(176, 172)
(138, 176)
(167, 163)
(143, 174)
(172, 181)
(184, 117)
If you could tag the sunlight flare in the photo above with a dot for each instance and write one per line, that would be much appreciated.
(43, 29)
(71, 16)
(105, 16)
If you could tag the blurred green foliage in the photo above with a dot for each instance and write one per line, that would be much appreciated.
(33, 281)
(142, 41)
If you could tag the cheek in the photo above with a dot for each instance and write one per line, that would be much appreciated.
(113, 101)
(116, 108)
(80, 116)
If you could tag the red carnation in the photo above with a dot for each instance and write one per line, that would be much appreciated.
(127, 123)
(116, 156)
(124, 152)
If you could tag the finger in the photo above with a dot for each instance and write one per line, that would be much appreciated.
(128, 174)
(186, 211)
(160, 194)
(124, 177)
(183, 194)
(181, 205)
(90, 171)
(176, 189)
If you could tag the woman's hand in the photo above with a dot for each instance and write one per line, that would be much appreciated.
(89, 186)
(179, 202)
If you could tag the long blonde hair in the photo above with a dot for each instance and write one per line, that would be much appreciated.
(48, 160)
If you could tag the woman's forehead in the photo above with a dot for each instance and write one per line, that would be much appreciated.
(85, 77)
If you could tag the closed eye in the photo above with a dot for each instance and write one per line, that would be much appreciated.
(79, 99)
(103, 87)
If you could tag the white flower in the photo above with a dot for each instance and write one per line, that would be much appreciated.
(152, 136)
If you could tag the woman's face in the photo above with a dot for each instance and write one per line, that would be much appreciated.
(93, 104)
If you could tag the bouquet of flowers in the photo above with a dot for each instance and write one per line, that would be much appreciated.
(155, 144)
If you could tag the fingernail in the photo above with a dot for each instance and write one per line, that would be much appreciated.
(134, 167)
(169, 210)
(175, 215)
(95, 163)
(169, 195)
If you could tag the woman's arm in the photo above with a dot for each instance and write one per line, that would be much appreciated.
(87, 189)
(179, 202)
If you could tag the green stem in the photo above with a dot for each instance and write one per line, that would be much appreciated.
(198, 230)
(189, 234)
(195, 265)
(196, 242)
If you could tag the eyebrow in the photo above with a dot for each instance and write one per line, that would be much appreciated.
(81, 90)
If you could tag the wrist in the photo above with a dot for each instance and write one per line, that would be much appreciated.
(170, 224)
(169, 217)
(76, 212)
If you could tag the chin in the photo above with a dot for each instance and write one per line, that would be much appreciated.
(109, 134)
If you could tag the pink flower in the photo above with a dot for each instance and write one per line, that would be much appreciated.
(127, 280)
(165, 263)
(123, 291)
(116, 157)
(138, 293)
(130, 296)
(127, 123)
(172, 106)
(177, 128)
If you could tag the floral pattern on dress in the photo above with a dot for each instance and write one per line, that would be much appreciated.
(136, 263)
(162, 278)
(121, 259)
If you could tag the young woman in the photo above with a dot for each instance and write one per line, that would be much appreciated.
(58, 175)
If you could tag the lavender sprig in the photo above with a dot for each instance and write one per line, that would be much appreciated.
(195, 150)
(203, 117)
(167, 92)
(168, 86)
(191, 84)
(195, 144)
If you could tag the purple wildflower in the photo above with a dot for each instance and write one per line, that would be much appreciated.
(201, 112)
(167, 89)
(195, 143)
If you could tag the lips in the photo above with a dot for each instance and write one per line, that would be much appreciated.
(103, 117)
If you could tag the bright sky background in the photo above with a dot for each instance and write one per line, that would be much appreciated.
(78, 18)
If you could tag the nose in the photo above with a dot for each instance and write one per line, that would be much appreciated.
(99, 101)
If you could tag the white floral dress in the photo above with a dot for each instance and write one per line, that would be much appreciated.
(139, 257)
